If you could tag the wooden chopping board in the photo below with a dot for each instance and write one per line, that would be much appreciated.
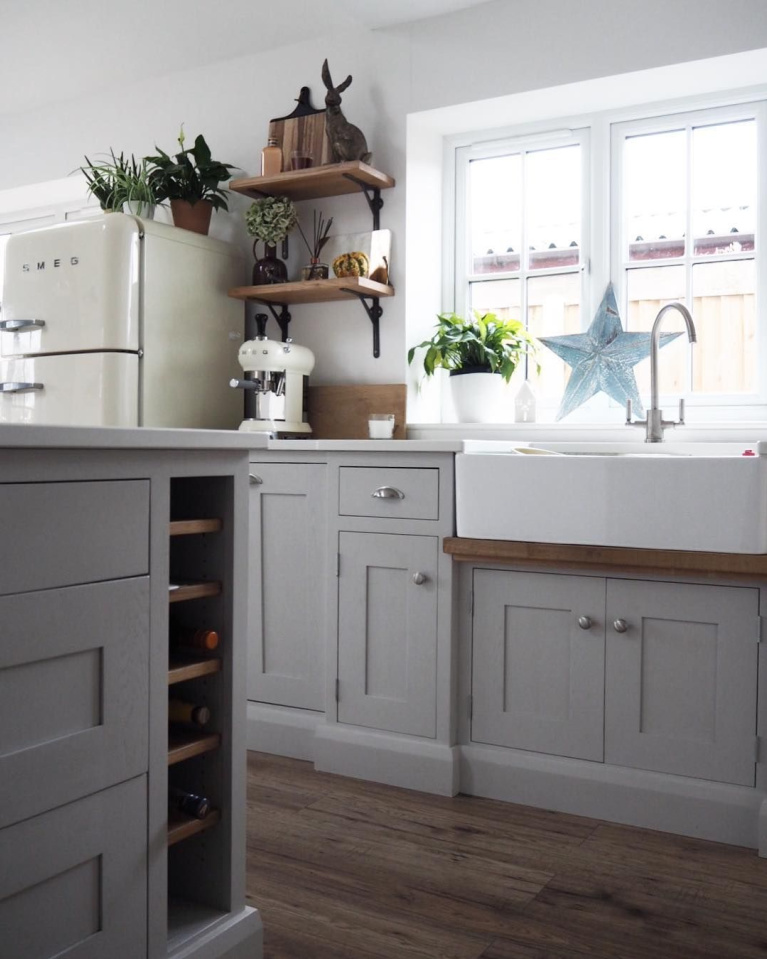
(341, 412)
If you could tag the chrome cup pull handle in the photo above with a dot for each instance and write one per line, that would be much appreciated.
(20, 387)
(255, 480)
(16, 326)
(387, 492)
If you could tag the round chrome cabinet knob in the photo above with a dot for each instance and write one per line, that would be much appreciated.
(419, 579)
(585, 622)
(620, 626)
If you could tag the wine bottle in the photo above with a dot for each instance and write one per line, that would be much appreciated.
(188, 803)
(191, 638)
(181, 711)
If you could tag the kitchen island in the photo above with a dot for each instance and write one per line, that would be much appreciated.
(115, 540)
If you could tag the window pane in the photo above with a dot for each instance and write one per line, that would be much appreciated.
(553, 195)
(648, 290)
(501, 297)
(554, 308)
(495, 220)
(724, 358)
(655, 198)
(724, 187)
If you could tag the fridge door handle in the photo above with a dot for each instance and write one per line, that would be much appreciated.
(20, 387)
(16, 326)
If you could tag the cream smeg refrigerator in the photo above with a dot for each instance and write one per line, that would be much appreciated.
(117, 321)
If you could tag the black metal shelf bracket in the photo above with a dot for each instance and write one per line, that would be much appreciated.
(375, 311)
(372, 195)
(282, 317)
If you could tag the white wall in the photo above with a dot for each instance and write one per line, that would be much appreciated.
(501, 47)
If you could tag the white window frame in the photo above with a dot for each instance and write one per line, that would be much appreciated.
(600, 228)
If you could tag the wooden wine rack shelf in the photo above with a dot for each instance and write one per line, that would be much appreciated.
(182, 827)
(179, 669)
(183, 745)
(188, 527)
(193, 591)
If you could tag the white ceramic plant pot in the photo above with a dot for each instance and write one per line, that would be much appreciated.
(139, 208)
(480, 397)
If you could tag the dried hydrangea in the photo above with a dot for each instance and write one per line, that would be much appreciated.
(270, 219)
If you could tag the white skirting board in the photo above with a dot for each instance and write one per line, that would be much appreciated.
(282, 731)
(677, 804)
(387, 758)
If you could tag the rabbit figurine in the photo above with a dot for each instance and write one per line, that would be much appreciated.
(347, 142)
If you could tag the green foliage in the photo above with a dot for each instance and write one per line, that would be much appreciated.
(117, 179)
(270, 219)
(484, 341)
(189, 175)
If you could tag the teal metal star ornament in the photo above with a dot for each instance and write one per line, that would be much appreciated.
(603, 358)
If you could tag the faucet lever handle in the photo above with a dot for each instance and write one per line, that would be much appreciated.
(681, 412)
(629, 412)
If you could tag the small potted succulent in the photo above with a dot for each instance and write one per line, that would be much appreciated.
(119, 183)
(270, 219)
(481, 354)
(190, 180)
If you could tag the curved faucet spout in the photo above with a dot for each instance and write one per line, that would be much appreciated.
(655, 346)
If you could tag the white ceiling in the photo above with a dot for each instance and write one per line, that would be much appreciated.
(52, 50)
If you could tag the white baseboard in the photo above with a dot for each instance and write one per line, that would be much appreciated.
(688, 807)
(282, 731)
(387, 758)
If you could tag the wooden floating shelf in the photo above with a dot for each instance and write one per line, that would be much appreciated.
(183, 745)
(335, 179)
(180, 670)
(187, 527)
(193, 591)
(182, 827)
(313, 291)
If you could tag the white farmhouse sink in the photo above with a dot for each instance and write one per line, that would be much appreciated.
(687, 496)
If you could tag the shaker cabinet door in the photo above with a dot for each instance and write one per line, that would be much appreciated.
(288, 588)
(538, 662)
(681, 679)
(387, 631)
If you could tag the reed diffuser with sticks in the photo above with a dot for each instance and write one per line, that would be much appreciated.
(316, 270)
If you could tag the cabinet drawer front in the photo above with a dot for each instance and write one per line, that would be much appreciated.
(402, 493)
(59, 534)
(73, 693)
(73, 880)
(682, 679)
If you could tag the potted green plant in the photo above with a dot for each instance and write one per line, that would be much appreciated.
(270, 219)
(190, 181)
(481, 354)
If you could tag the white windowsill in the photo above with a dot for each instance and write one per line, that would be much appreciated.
(746, 433)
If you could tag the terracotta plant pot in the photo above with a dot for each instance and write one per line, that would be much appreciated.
(192, 216)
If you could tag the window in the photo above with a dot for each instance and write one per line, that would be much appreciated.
(541, 227)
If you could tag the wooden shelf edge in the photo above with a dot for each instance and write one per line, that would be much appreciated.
(183, 746)
(181, 669)
(331, 179)
(188, 527)
(181, 827)
(665, 561)
(313, 291)
(193, 591)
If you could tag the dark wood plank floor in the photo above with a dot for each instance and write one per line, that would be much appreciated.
(343, 869)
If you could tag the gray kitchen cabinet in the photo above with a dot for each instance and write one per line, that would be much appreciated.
(106, 542)
(387, 631)
(681, 679)
(74, 880)
(539, 652)
(288, 589)
(667, 670)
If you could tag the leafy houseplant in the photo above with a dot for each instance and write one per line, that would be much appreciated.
(483, 344)
(190, 179)
(270, 219)
(119, 181)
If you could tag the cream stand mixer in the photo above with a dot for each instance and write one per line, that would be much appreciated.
(276, 374)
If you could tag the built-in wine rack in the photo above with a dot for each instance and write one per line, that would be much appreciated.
(191, 667)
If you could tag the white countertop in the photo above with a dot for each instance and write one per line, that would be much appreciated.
(15, 436)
